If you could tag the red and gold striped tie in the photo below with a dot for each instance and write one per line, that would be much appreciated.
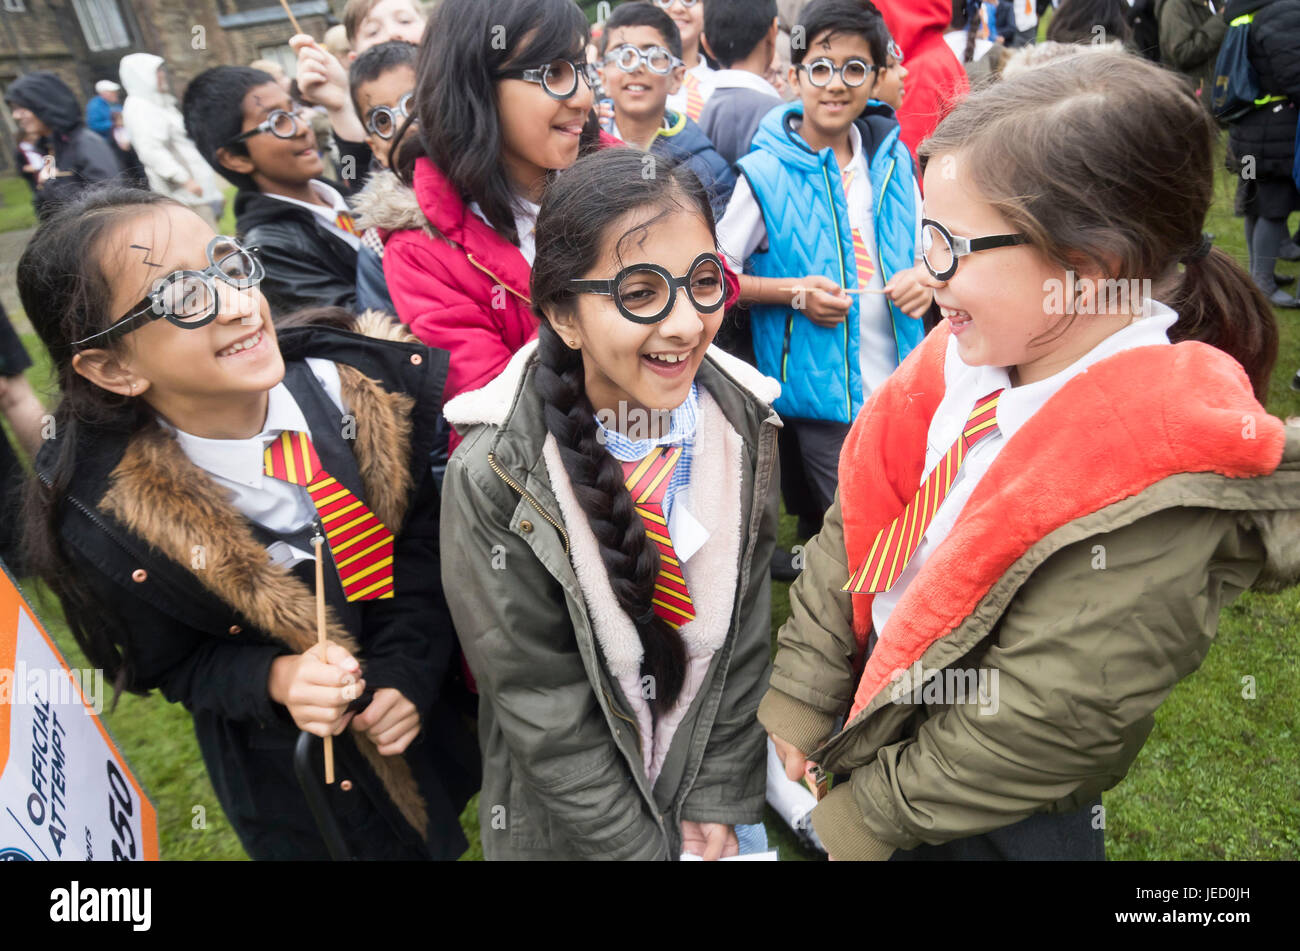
(894, 546)
(694, 97)
(361, 544)
(345, 222)
(861, 257)
(648, 480)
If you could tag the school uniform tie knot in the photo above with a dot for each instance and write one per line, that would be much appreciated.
(647, 481)
(894, 545)
(361, 545)
(345, 222)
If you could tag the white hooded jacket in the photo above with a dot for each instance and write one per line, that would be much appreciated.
(157, 133)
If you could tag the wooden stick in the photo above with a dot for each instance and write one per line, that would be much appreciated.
(296, 29)
(859, 290)
(317, 541)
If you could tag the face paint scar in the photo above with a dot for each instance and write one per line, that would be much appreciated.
(145, 257)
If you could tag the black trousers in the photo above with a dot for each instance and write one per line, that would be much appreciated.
(1067, 836)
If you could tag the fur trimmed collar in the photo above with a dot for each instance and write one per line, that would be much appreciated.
(176, 508)
(387, 204)
(490, 405)
(713, 497)
(1132, 420)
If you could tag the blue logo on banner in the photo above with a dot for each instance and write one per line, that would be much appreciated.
(14, 855)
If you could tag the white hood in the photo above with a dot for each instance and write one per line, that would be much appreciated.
(139, 74)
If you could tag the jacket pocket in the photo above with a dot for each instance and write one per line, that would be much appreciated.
(529, 826)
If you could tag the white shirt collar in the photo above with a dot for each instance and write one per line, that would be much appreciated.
(525, 214)
(741, 79)
(855, 143)
(326, 193)
(1019, 403)
(241, 460)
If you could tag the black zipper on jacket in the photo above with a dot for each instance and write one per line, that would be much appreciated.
(89, 513)
(785, 347)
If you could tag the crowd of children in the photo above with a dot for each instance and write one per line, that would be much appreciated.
(519, 386)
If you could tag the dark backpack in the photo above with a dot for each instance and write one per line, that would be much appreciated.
(1236, 84)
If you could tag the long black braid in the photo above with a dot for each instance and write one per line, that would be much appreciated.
(580, 215)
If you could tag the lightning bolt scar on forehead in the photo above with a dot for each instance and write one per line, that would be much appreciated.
(146, 251)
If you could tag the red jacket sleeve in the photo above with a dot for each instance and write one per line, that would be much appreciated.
(443, 312)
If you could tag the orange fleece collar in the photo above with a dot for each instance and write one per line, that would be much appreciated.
(1116, 429)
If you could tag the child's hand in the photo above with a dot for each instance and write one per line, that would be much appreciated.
(391, 721)
(907, 290)
(317, 692)
(796, 764)
(710, 840)
(321, 78)
(821, 300)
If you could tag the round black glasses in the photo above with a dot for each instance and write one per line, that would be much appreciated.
(646, 293)
(942, 250)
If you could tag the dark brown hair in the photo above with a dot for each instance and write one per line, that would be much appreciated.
(1108, 160)
(577, 222)
(65, 290)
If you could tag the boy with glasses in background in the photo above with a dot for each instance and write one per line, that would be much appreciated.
(382, 81)
(246, 127)
(825, 222)
(640, 52)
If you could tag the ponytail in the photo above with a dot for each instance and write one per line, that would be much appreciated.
(1218, 304)
(1126, 182)
(631, 560)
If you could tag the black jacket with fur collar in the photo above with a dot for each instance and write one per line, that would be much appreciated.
(188, 592)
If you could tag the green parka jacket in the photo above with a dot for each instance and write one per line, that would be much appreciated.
(1051, 644)
(565, 759)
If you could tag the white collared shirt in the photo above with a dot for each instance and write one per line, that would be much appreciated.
(963, 387)
(743, 231)
(237, 464)
(328, 215)
(739, 79)
(525, 225)
(702, 72)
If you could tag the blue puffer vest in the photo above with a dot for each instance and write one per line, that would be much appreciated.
(804, 208)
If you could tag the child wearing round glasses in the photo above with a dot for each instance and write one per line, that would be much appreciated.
(641, 51)
(382, 81)
(608, 524)
(246, 127)
(1044, 510)
(503, 99)
(198, 452)
(826, 223)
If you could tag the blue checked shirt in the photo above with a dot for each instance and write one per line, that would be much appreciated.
(681, 432)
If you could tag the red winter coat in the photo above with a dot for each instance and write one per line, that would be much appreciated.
(458, 283)
(935, 79)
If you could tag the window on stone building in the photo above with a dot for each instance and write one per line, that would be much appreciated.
(102, 24)
(15, 6)
(284, 55)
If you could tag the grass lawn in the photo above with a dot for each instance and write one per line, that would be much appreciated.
(1217, 778)
(15, 204)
